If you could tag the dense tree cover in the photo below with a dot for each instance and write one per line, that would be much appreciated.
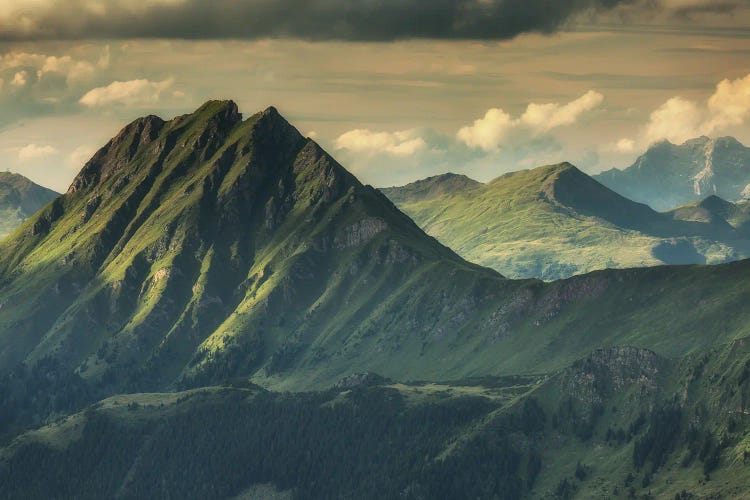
(368, 443)
(658, 441)
(30, 395)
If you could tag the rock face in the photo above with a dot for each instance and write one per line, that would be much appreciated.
(20, 199)
(669, 175)
(608, 371)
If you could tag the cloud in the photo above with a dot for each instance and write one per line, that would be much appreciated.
(130, 93)
(403, 143)
(35, 152)
(676, 120)
(680, 119)
(79, 156)
(625, 146)
(72, 69)
(306, 19)
(687, 8)
(548, 116)
(729, 106)
(19, 79)
(489, 132)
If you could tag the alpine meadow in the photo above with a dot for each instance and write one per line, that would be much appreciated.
(492, 249)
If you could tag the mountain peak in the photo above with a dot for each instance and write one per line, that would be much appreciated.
(728, 141)
(271, 111)
(20, 198)
(564, 167)
(698, 141)
(668, 175)
(716, 205)
(226, 109)
(437, 185)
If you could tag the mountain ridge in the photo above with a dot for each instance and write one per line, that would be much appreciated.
(555, 221)
(199, 264)
(217, 247)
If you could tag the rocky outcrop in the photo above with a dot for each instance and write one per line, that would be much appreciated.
(608, 371)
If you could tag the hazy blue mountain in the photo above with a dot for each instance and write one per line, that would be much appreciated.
(669, 175)
(19, 199)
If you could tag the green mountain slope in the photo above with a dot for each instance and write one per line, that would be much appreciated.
(619, 423)
(19, 199)
(208, 247)
(669, 175)
(208, 254)
(553, 222)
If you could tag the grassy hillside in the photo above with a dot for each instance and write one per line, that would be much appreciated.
(554, 222)
(19, 199)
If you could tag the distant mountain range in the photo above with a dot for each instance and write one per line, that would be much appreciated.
(19, 199)
(217, 309)
(669, 175)
(553, 222)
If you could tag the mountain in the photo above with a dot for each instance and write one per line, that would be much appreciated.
(191, 249)
(430, 188)
(216, 308)
(716, 210)
(19, 199)
(620, 422)
(206, 247)
(555, 221)
(669, 175)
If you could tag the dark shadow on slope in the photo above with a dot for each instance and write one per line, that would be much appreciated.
(678, 252)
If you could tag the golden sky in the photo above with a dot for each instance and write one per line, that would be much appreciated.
(394, 95)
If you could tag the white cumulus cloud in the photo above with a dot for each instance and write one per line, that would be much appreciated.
(625, 146)
(489, 132)
(32, 152)
(79, 156)
(20, 79)
(402, 143)
(73, 70)
(133, 92)
(545, 117)
(680, 119)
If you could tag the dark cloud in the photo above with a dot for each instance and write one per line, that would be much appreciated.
(367, 20)
(708, 7)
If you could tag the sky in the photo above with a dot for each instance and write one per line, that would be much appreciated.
(395, 90)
